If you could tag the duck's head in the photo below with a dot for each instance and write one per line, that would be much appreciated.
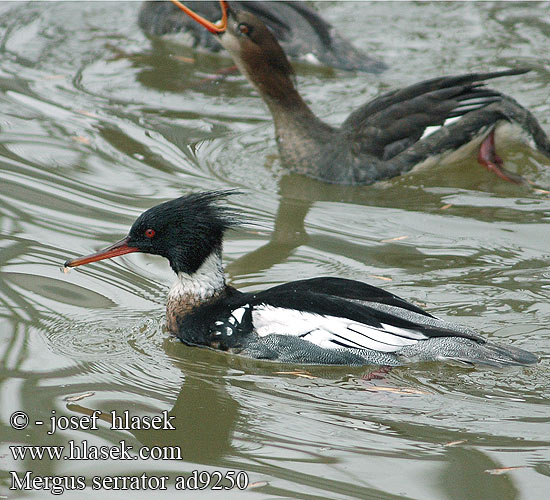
(252, 46)
(186, 231)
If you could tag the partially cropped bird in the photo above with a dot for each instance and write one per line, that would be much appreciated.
(320, 321)
(303, 34)
(431, 121)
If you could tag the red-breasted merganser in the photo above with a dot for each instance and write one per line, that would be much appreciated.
(320, 320)
(387, 136)
(303, 34)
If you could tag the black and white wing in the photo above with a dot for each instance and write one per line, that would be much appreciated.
(331, 332)
(394, 121)
(334, 313)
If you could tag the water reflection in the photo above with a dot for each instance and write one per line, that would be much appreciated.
(299, 194)
(465, 476)
(221, 411)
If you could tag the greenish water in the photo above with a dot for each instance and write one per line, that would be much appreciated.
(98, 123)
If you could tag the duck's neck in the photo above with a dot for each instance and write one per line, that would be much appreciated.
(193, 290)
(296, 126)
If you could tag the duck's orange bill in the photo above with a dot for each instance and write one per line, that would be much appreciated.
(119, 248)
(213, 28)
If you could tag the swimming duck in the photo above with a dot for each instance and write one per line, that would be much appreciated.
(389, 135)
(303, 34)
(323, 320)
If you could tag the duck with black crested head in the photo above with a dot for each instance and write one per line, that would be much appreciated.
(325, 320)
(431, 121)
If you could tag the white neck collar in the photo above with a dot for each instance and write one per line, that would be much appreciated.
(206, 282)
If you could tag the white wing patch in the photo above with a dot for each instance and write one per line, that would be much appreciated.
(239, 313)
(331, 332)
(434, 128)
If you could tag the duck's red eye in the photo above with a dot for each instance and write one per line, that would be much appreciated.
(149, 233)
(244, 28)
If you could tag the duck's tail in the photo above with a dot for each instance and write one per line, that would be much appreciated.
(468, 351)
(496, 354)
(514, 112)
